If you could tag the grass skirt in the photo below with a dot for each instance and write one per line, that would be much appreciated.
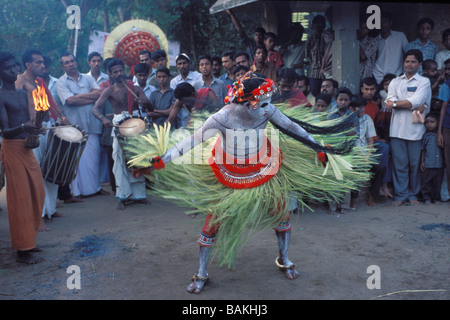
(242, 212)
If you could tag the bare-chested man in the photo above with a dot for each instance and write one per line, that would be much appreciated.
(123, 103)
(25, 186)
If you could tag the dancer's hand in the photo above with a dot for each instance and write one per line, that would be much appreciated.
(137, 173)
(323, 158)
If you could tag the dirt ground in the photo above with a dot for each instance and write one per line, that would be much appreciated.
(149, 252)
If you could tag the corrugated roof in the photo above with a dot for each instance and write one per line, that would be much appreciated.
(222, 5)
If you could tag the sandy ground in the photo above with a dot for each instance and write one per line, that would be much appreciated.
(150, 252)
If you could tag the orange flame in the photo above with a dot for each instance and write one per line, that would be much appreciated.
(40, 98)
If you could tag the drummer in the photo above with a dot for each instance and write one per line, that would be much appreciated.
(33, 62)
(125, 99)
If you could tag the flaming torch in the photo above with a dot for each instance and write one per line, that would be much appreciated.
(41, 105)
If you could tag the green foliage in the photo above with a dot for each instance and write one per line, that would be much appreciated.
(42, 24)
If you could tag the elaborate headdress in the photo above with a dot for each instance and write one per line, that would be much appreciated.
(251, 88)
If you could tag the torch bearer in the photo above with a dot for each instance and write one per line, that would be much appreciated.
(41, 105)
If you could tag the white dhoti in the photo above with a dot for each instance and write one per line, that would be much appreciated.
(51, 189)
(127, 186)
(87, 181)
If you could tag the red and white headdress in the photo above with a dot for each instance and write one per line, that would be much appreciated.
(263, 92)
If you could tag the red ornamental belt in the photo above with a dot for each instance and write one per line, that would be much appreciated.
(245, 173)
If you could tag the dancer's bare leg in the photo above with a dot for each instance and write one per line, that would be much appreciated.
(200, 278)
(283, 262)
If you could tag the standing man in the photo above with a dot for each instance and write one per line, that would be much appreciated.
(208, 81)
(25, 191)
(429, 50)
(142, 72)
(128, 188)
(162, 99)
(315, 51)
(407, 94)
(183, 63)
(95, 61)
(252, 44)
(330, 87)
(391, 46)
(228, 65)
(78, 93)
(33, 62)
(159, 60)
(216, 67)
(262, 67)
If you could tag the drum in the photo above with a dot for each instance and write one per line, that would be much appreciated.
(129, 127)
(65, 146)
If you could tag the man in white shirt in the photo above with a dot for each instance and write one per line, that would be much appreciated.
(407, 94)
(391, 46)
(183, 64)
(78, 93)
(95, 61)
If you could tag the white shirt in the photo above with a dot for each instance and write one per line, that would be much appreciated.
(416, 90)
(101, 78)
(191, 78)
(147, 90)
(441, 56)
(390, 55)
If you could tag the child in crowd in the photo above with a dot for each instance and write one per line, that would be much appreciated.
(382, 124)
(366, 138)
(343, 100)
(430, 71)
(323, 101)
(384, 88)
(273, 55)
(431, 162)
